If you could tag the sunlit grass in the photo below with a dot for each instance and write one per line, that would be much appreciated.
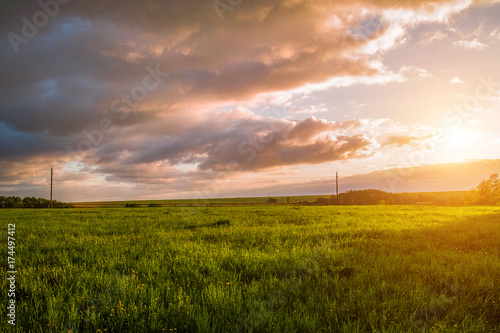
(284, 269)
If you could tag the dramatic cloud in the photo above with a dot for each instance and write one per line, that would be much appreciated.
(241, 142)
(237, 141)
(91, 53)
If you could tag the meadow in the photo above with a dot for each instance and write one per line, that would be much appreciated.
(256, 269)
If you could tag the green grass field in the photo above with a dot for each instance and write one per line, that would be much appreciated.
(256, 269)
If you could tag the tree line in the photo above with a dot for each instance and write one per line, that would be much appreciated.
(486, 193)
(29, 202)
(378, 197)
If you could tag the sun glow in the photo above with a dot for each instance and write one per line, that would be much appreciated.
(459, 139)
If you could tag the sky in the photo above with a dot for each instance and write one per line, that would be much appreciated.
(227, 98)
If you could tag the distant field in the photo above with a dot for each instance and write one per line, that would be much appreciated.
(215, 201)
(257, 269)
(458, 195)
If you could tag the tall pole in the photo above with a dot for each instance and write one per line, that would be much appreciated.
(51, 177)
(337, 185)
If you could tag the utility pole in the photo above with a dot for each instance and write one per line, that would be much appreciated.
(337, 185)
(51, 177)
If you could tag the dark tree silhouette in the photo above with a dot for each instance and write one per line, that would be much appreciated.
(29, 202)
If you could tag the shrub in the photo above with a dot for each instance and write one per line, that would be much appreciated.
(322, 201)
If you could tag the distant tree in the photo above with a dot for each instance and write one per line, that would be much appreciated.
(378, 197)
(58, 204)
(361, 197)
(398, 200)
(487, 192)
(322, 201)
(334, 200)
(13, 202)
(272, 200)
(28, 202)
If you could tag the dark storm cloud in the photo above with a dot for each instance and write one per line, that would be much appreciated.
(91, 52)
(18, 146)
(88, 54)
(250, 142)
